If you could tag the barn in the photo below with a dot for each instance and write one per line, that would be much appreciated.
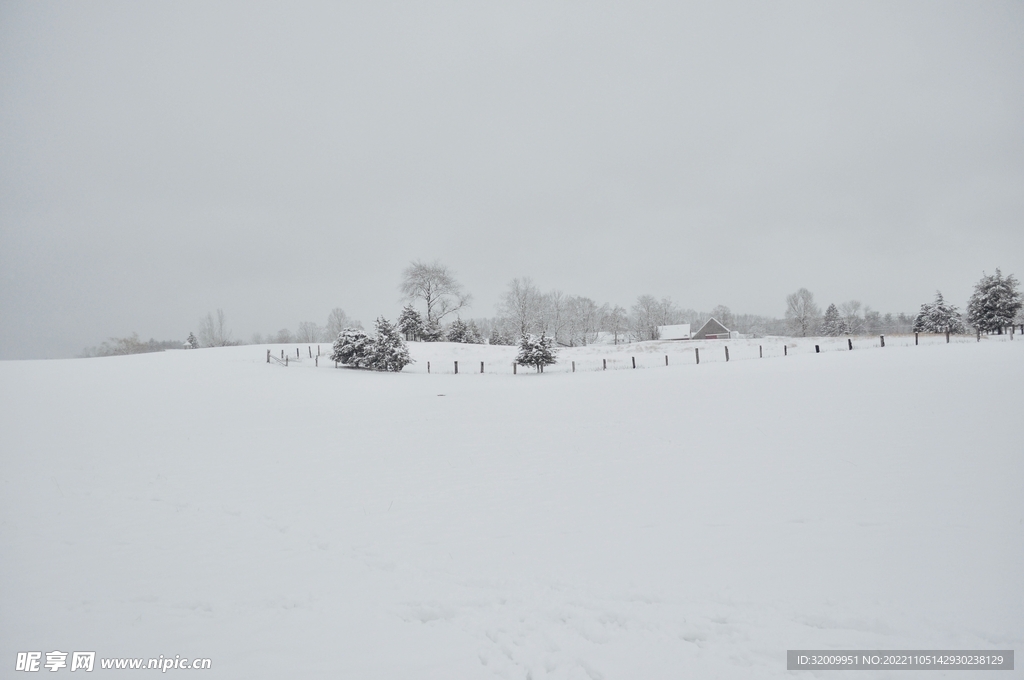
(712, 330)
(679, 331)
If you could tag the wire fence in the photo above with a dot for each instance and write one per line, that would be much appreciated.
(647, 355)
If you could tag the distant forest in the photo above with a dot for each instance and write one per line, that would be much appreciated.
(436, 299)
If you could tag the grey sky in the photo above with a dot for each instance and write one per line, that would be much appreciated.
(161, 160)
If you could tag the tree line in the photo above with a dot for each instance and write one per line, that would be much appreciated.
(434, 299)
(994, 306)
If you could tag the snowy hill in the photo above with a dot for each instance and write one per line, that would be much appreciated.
(690, 521)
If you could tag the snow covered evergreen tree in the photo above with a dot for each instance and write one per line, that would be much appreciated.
(473, 335)
(410, 323)
(352, 348)
(457, 331)
(536, 352)
(432, 332)
(938, 317)
(994, 304)
(460, 331)
(833, 324)
(499, 337)
(387, 352)
(191, 343)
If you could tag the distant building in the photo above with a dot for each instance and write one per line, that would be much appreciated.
(712, 330)
(679, 331)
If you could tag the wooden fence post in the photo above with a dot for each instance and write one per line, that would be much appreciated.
(318, 350)
(817, 349)
(882, 338)
(428, 367)
(915, 338)
(286, 361)
(513, 368)
(310, 351)
(634, 361)
(785, 350)
(456, 368)
(849, 341)
(268, 356)
(727, 353)
(481, 367)
(296, 352)
(282, 354)
(574, 367)
(604, 364)
(316, 361)
(760, 352)
(947, 337)
(696, 353)
(979, 335)
(666, 360)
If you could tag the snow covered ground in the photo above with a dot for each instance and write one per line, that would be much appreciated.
(690, 521)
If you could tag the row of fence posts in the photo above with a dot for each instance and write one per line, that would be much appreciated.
(297, 355)
(604, 362)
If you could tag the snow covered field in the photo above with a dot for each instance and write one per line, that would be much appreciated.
(682, 522)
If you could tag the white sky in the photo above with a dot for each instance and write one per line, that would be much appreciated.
(161, 160)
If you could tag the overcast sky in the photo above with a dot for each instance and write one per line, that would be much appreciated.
(161, 160)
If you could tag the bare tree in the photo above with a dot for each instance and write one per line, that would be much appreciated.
(872, 320)
(851, 315)
(520, 307)
(801, 312)
(283, 337)
(617, 322)
(584, 319)
(308, 332)
(644, 316)
(436, 286)
(214, 333)
(337, 321)
(554, 316)
(724, 316)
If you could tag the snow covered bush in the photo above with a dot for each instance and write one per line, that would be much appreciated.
(387, 352)
(536, 352)
(938, 317)
(384, 352)
(994, 304)
(833, 324)
(352, 348)
(500, 338)
(410, 323)
(460, 331)
(432, 332)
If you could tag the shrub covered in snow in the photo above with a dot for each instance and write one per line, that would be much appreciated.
(410, 323)
(460, 331)
(500, 338)
(387, 352)
(352, 348)
(432, 332)
(938, 317)
(384, 352)
(536, 352)
(833, 324)
(994, 304)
